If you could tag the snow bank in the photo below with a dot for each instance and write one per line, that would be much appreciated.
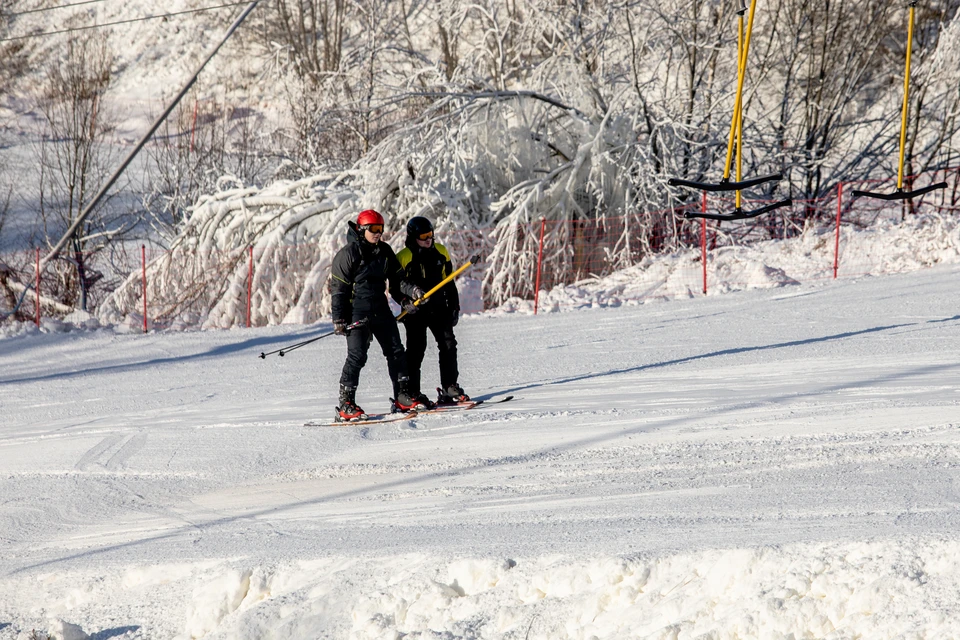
(889, 247)
(872, 590)
(876, 589)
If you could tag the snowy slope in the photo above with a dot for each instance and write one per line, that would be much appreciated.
(759, 464)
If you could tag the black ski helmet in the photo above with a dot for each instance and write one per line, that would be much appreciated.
(418, 225)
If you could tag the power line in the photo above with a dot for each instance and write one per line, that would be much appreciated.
(62, 6)
(110, 24)
(156, 125)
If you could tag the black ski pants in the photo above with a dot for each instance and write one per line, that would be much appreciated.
(385, 330)
(416, 327)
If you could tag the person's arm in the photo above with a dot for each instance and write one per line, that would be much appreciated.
(342, 273)
(401, 289)
(450, 289)
(404, 257)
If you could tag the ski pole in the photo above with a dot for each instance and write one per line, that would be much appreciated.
(450, 277)
(285, 350)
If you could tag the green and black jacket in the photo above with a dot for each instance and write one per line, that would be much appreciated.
(426, 268)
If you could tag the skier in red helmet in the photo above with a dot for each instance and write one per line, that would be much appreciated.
(358, 280)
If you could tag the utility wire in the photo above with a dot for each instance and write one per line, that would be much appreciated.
(156, 125)
(62, 6)
(110, 24)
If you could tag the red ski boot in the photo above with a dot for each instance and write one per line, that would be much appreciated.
(406, 402)
(348, 410)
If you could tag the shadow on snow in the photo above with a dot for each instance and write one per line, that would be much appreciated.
(585, 442)
(254, 345)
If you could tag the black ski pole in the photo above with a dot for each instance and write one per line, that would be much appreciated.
(288, 349)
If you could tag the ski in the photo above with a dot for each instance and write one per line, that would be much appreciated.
(378, 418)
(373, 418)
(495, 400)
(465, 406)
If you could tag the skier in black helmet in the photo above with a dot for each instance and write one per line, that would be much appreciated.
(358, 281)
(426, 263)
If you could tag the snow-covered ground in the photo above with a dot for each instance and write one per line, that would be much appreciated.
(773, 463)
(889, 246)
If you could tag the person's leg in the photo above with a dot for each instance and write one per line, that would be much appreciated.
(450, 389)
(391, 345)
(407, 396)
(416, 348)
(358, 342)
(447, 346)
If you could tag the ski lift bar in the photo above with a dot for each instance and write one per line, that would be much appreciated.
(735, 140)
(899, 194)
(738, 213)
(725, 184)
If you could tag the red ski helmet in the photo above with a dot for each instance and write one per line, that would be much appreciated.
(369, 217)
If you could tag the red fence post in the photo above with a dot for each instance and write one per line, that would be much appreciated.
(38, 287)
(703, 243)
(836, 241)
(143, 262)
(536, 293)
(193, 127)
(249, 287)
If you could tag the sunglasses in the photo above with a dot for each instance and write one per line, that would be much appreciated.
(373, 228)
(426, 236)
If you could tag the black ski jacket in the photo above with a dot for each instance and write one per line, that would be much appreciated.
(426, 268)
(359, 276)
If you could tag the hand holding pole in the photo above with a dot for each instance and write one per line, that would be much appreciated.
(285, 350)
(450, 277)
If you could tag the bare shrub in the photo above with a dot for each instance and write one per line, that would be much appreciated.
(73, 159)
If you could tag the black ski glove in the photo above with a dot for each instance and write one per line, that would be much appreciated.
(409, 307)
(340, 327)
(454, 317)
(418, 293)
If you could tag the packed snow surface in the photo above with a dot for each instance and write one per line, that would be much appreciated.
(770, 463)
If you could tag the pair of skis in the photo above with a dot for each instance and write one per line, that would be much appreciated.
(377, 418)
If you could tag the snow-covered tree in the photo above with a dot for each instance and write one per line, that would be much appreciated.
(488, 116)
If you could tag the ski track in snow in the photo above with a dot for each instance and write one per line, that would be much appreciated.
(758, 464)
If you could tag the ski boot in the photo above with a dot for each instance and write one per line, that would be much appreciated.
(348, 410)
(408, 401)
(451, 394)
(424, 402)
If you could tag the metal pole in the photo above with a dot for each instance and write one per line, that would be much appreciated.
(193, 127)
(741, 72)
(249, 287)
(38, 287)
(906, 97)
(143, 263)
(474, 260)
(536, 293)
(703, 243)
(836, 241)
